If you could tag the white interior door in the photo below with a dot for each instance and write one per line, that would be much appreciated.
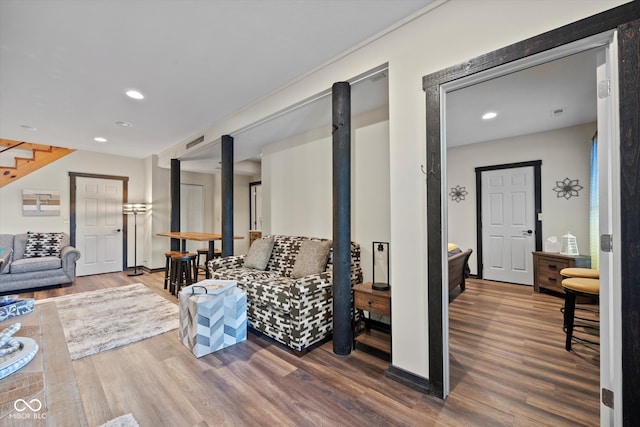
(192, 213)
(508, 224)
(609, 224)
(99, 225)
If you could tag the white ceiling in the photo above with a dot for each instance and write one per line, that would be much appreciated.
(368, 92)
(64, 67)
(525, 101)
(65, 64)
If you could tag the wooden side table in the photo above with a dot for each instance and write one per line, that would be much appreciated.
(364, 331)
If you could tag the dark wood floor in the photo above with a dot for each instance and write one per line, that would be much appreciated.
(508, 367)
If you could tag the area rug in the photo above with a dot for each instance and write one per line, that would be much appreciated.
(100, 320)
(123, 421)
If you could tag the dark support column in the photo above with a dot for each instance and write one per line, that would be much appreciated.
(175, 202)
(629, 87)
(342, 330)
(227, 195)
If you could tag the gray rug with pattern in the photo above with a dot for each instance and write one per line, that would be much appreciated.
(100, 320)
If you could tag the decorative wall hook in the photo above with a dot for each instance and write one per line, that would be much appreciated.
(434, 170)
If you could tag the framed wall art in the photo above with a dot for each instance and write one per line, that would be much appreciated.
(40, 203)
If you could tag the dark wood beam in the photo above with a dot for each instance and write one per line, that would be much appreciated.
(341, 107)
(227, 195)
(175, 202)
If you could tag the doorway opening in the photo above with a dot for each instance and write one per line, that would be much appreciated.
(437, 86)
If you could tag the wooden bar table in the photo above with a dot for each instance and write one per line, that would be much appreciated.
(200, 237)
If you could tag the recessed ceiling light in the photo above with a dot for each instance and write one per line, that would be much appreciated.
(123, 124)
(490, 115)
(27, 127)
(134, 94)
(100, 139)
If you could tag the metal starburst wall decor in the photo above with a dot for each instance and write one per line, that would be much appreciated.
(458, 193)
(567, 188)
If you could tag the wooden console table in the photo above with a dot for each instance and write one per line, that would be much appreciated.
(377, 302)
(547, 266)
(47, 383)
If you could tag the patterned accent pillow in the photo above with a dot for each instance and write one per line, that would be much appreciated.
(259, 253)
(43, 244)
(312, 258)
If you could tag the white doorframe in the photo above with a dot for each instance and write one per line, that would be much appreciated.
(600, 40)
(610, 267)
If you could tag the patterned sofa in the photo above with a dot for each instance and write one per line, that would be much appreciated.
(295, 312)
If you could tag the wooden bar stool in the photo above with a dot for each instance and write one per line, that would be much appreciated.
(205, 251)
(167, 267)
(573, 288)
(183, 270)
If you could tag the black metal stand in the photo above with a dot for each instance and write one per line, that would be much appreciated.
(135, 271)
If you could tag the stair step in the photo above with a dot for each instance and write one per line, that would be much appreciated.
(42, 155)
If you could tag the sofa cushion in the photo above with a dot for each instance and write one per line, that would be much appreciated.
(27, 265)
(259, 253)
(312, 258)
(267, 287)
(43, 245)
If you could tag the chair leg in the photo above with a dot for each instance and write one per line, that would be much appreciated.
(167, 277)
(569, 312)
(173, 277)
(196, 270)
(188, 276)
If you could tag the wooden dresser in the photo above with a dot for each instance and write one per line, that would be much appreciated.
(547, 266)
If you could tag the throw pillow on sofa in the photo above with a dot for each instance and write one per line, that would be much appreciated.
(259, 253)
(43, 244)
(312, 258)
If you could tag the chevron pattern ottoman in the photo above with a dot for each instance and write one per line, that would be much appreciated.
(213, 315)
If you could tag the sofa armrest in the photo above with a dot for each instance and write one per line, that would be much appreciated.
(312, 283)
(69, 255)
(225, 262)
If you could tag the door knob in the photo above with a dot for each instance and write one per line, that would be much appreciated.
(117, 230)
(527, 232)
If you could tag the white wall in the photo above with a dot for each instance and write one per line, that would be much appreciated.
(297, 176)
(55, 176)
(160, 179)
(240, 211)
(565, 153)
(450, 33)
(147, 182)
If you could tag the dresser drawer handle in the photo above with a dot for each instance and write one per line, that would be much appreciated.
(552, 266)
(552, 279)
(369, 302)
